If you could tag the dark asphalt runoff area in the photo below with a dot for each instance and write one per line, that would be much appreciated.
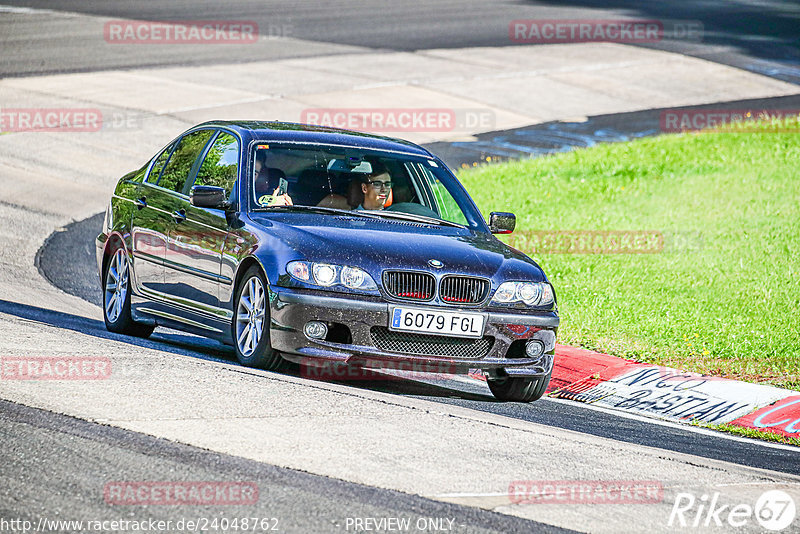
(58, 468)
(67, 261)
(758, 35)
(563, 136)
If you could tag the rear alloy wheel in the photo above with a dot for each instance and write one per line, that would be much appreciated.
(518, 389)
(117, 298)
(251, 324)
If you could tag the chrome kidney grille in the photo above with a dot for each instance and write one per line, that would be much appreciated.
(463, 289)
(418, 286)
(409, 285)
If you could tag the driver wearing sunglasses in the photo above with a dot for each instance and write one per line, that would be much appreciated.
(376, 187)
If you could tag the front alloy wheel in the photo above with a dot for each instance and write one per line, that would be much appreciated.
(117, 298)
(251, 324)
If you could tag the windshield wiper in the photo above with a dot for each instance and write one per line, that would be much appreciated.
(417, 218)
(319, 209)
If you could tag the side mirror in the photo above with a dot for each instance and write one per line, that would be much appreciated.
(501, 222)
(209, 196)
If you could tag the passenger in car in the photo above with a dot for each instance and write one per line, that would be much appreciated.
(267, 182)
(376, 187)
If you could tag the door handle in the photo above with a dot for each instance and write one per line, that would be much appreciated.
(141, 202)
(179, 215)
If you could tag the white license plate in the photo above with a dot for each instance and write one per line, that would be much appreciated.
(444, 323)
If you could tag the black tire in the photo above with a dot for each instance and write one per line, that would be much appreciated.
(262, 356)
(118, 319)
(518, 389)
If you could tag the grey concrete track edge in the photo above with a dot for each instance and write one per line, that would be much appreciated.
(312, 501)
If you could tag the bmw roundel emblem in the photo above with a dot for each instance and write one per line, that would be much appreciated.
(436, 264)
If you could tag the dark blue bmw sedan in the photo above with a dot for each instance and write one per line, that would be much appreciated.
(297, 243)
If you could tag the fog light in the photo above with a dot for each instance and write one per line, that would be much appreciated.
(316, 330)
(534, 349)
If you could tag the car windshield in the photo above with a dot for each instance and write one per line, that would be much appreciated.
(382, 184)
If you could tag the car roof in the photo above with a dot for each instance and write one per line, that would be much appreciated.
(308, 133)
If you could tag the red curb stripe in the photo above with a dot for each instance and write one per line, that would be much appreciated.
(575, 367)
(781, 417)
(579, 374)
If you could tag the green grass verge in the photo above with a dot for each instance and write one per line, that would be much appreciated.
(764, 435)
(723, 295)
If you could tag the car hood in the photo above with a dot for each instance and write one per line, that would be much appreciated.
(380, 244)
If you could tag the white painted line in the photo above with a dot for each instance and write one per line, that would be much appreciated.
(24, 10)
(34, 11)
(620, 413)
(769, 484)
(678, 426)
(471, 495)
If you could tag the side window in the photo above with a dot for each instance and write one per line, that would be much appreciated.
(221, 165)
(442, 201)
(162, 158)
(183, 158)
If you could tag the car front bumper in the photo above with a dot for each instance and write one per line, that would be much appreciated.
(371, 344)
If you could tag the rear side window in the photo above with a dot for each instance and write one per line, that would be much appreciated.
(221, 164)
(161, 160)
(180, 164)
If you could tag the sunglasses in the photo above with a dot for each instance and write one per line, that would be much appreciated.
(377, 184)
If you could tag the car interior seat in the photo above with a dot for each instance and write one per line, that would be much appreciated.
(312, 186)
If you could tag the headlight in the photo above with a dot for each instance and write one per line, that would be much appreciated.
(299, 270)
(330, 275)
(505, 293)
(353, 277)
(324, 274)
(529, 293)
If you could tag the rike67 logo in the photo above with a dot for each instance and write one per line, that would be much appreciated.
(774, 510)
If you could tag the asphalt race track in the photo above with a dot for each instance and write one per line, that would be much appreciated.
(760, 36)
(327, 456)
(67, 260)
(103, 453)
